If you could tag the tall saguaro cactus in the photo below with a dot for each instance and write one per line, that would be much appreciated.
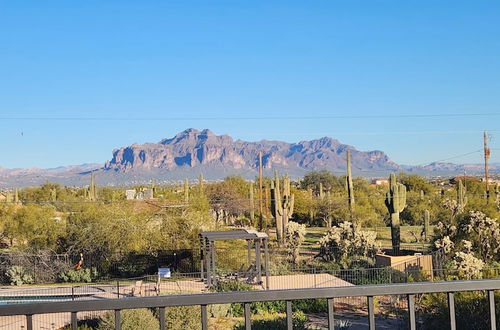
(282, 202)
(426, 225)
(461, 196)
(321, 191)
(349, 186)
(252, 204)
(201, 181)
(92, 191)
(16, 196)
(186, 191)
(395, 201)
(311, 204)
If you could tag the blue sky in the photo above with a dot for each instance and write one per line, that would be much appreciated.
(209, 64)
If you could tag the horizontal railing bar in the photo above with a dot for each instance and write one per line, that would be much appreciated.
(249, 296)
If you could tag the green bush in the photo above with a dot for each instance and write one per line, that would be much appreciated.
(182, 317)
(87, 324)
(276, 322)
(310, 306)
(78, 276)
(131, 319)
(18, 275)
(471, 310)
(232, 285)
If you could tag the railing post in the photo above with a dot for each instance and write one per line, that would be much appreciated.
(204, 317)
(411, 312)
(162, 318)
(451, 310)
(72, 293)
(331, 319)
(491, 301)
(29, 322)
(289, 315)
(118, 289)
(118, 320)
(371, 314)
(74, 321)
(248, 321)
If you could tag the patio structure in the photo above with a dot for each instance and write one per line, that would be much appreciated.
(254, 272)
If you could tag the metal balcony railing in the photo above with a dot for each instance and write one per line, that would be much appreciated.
(246, 298)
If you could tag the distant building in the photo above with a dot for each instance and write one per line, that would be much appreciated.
(464, 178)
(380, 181)
(130, 194)
(148, 193)
(145, 193)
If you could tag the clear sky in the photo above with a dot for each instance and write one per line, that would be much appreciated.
(237, 66)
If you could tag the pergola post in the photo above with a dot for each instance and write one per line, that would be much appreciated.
(212, 248)
(209, 257)
(257, 261)
(202, 258)
(209, 272)
(266, 262)
(249, 251)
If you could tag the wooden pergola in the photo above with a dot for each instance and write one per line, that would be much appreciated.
(208, 253)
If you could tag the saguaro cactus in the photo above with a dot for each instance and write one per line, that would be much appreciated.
(252, 204)
(153, 186)
(92, 191)
(321, 192)
(282, 202)
(201, 182)
(461, 196)
(426, 225)
(395, 201)
(349, 186)
(16, 196)
(311, 204)
(186, 191)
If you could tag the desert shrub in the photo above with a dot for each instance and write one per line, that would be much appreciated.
(131, 319)
(470, 308)
(183, 317)
(273, 321)
(309, 305)
(232, 285)
(294, 237)
(220, 310)
(78, 276)
(342, 242)
(87, 324)
(372, 276)
(472, 232)
(466, 265)
(18, 275)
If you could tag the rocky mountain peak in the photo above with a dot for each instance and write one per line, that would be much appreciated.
(194, 148)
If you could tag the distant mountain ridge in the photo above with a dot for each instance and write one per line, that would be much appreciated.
(194, 152)
(197, 149)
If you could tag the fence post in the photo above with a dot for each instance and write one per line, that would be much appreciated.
(73, 293)
(118, 289)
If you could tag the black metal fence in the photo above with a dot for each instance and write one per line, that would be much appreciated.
(29, 314)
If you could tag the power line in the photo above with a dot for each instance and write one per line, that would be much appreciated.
(310, 117)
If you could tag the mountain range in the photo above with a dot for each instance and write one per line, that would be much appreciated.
(192, 152)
